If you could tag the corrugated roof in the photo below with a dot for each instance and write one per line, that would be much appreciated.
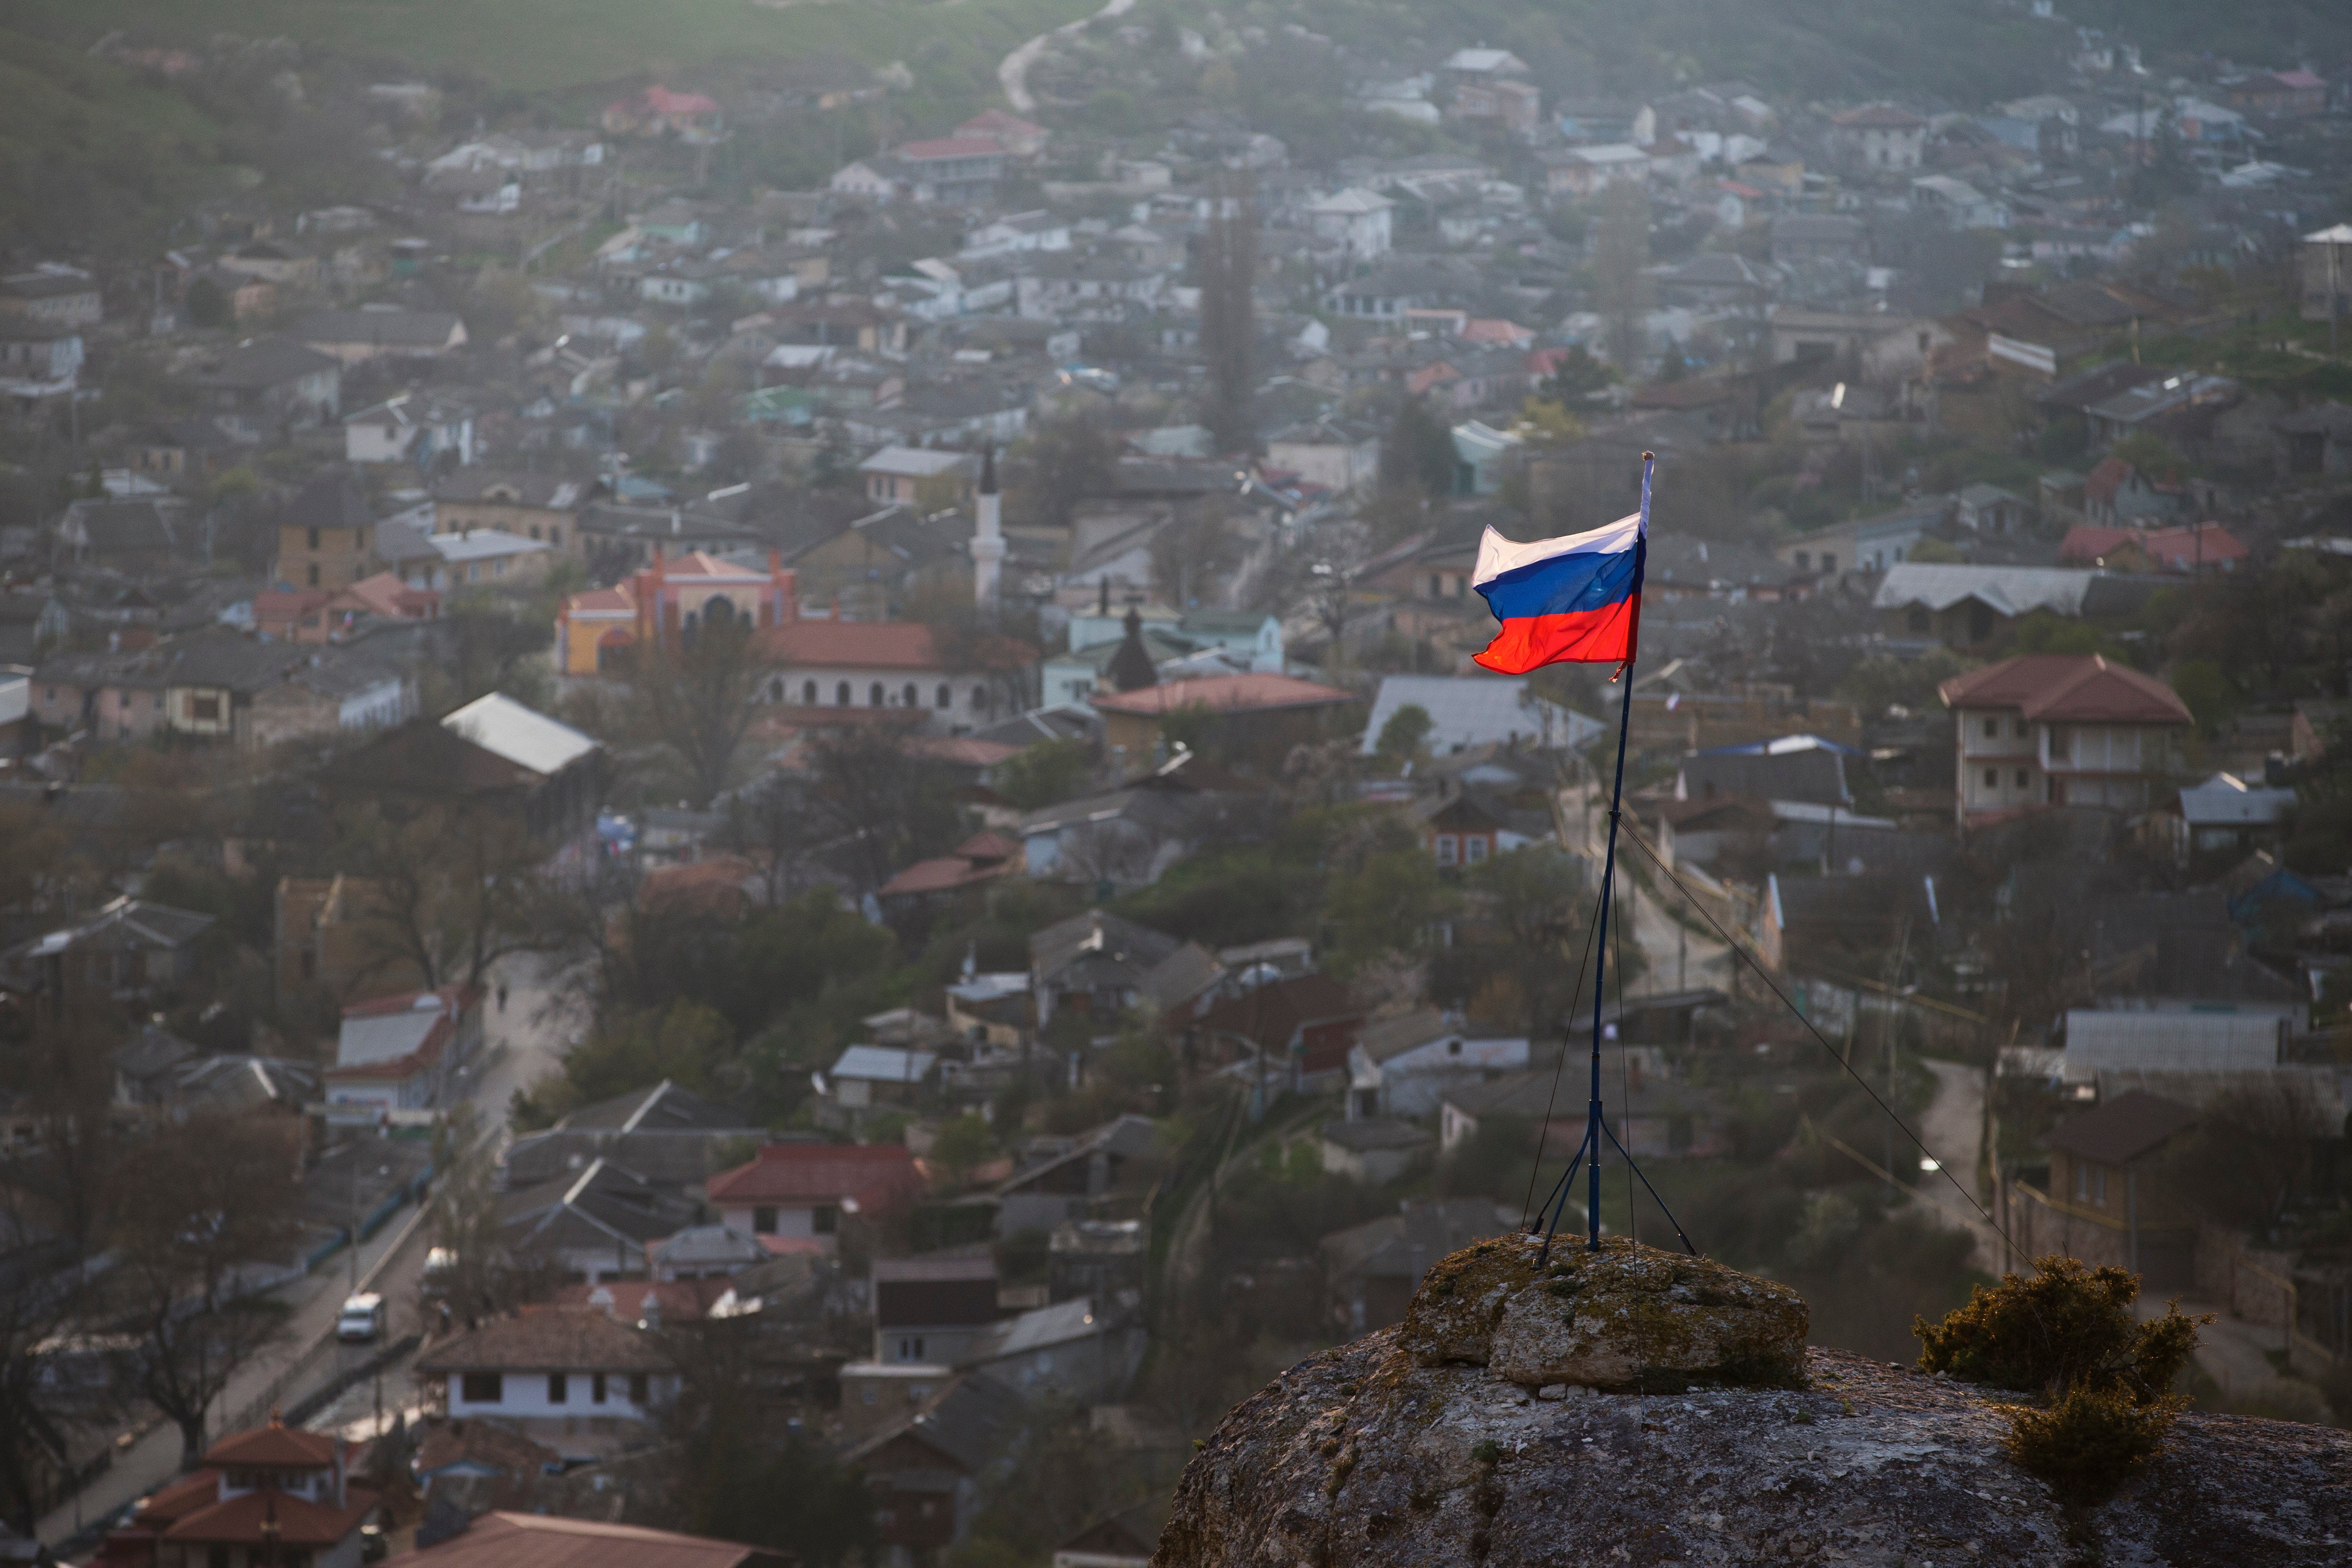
(2122, 1129)
(505, 729)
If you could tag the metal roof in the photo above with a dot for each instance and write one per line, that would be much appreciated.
(505, 728)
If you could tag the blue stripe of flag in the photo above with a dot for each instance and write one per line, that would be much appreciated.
(1562, 586)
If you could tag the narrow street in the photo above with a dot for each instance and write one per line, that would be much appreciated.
(542, 1012)
(1676, 956)
(1012, 72)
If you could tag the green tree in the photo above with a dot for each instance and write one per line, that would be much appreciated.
(1403, 736)
(1045, 773)
(207, 305)
(1417, 454)
(696, 702)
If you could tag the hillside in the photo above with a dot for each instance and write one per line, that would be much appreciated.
(535, 46)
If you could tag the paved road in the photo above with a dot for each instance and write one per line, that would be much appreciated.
(541, 1014)
(1678, 957)
(1012, 71)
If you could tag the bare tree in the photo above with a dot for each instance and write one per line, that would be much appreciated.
(696, 701)
(1225, 266)
(1193, 550)
(202, 1204)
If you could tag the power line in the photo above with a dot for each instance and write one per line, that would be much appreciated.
(1738, 952)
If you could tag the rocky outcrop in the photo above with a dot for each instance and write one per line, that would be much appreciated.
(1413, 1446)
(1625, 1316)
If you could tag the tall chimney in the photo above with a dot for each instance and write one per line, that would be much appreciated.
(988, 540)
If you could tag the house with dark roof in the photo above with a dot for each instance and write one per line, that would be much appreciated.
(2063, 729)
(596, 1222)
(129, 950)
(1095, 964)
(1072, 1174)
(143, 534)
(266, 383)
(1302, 1027)
(2103, 1203)
(929, 1467)
(1371, 1270)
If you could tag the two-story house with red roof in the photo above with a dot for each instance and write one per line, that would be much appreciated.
(273, 1497)
(2045, 729)
(797, 1193)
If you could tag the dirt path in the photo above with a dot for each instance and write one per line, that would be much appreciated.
(1012, 71)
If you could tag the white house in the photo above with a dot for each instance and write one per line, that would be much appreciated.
(548, 1368)
(1402, 1067)
(1355, 220)
(397, 1053)
(1341, 456)
(412, 427)
(1958, 202)
(792, 1196)
(476, 556)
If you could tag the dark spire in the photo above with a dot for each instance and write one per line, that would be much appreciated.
(1131, 666)
(988, 469)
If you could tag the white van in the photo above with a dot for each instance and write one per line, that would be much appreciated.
(362, 1319)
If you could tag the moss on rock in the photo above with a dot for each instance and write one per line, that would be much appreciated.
(1628, 1316)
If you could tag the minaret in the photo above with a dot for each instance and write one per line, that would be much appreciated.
(988, 542)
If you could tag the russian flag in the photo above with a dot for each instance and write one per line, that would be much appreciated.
(1575, 600)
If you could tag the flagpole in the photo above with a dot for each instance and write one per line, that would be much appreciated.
(1608, 872)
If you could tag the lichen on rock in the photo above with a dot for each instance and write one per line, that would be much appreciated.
(1625, 1316)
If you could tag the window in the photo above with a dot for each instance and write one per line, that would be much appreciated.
(944, 697)
(867, 1394)
(1992, 729)
(1448, 849)
(481, 1388)
(361, 545)
(555, 534)
(1453, 1047)
(910, 1347)
(909, 699)
(2023, 780)
(2082, 1182)
(808, 692)
(498, 567)
(1473, 848)
(314, 573)
(1828, 562)
(825, 1219)
(764, 1222)
(596, 1388)
(637, 1387)
(2098, 1184)
(980, 699)
(775, 691)
(1804, 560)
(874, 695)
(1992, 778)
(559, 1388)
(313, 537)
(2021, 728)
(534, 531)
(204, 709)
(841, 694)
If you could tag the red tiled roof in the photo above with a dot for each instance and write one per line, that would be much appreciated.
(873, 1173)
(681, 1300)
(197, 1491)
(541, 1540)
(2179, 549)
(276, 1447)
(549, 1338)
(613, 601)
(855, 644)
(950, 147)
(661, 100)
(2086, 542)
(965, 751)
(716, 886)
(996, 121)
(875, 645)
(1226, 693)
(2103, 482)
(2069, 688)
(299, 1521)
(385, 594)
